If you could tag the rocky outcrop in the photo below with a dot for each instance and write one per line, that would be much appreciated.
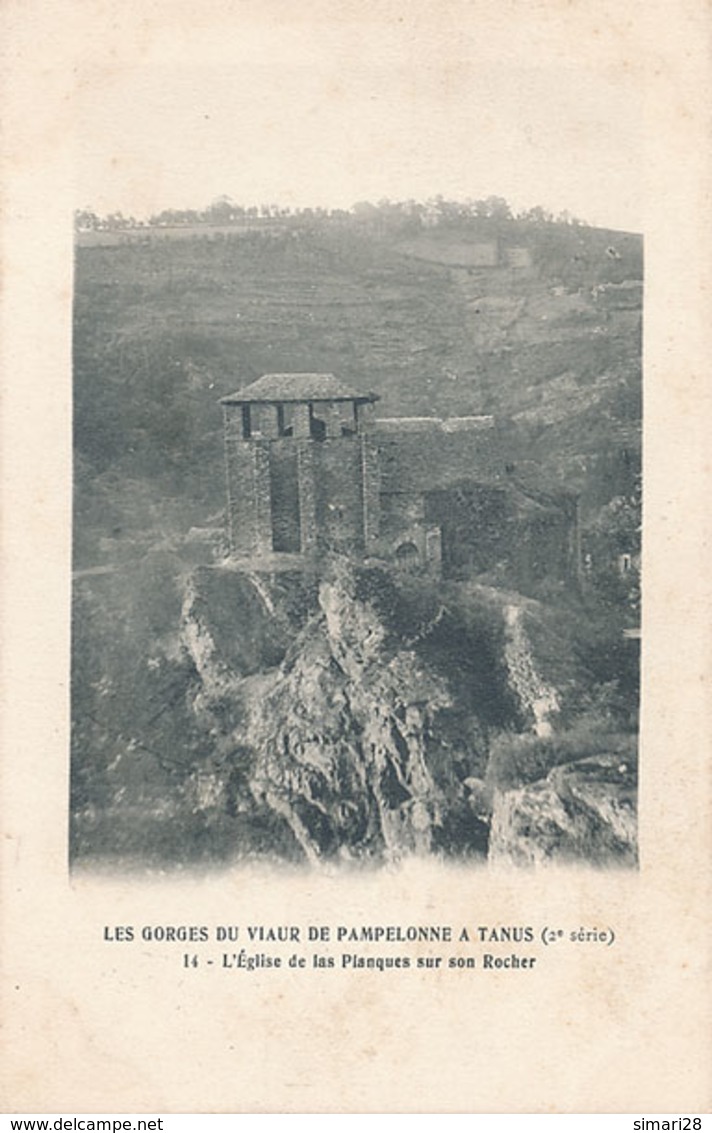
(370, 716)
(360, 716)
(539, 700)
(355, 738)
(342, 738)
(580, 812)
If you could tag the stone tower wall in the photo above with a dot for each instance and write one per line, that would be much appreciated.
(295, 494)
(338, 489)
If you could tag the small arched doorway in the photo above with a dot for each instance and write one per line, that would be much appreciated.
(408, 557)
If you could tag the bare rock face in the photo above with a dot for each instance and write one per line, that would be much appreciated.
(342, 738)
(342, 725)
(361, 716)
(233, 623)
(355, 718)
(581, 812)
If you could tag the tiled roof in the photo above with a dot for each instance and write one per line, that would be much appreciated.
(296, 387)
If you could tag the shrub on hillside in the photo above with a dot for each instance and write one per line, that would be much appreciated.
(516, 760)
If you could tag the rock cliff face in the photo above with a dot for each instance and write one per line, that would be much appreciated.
(539, 700)
(357, 712)
(348, 740)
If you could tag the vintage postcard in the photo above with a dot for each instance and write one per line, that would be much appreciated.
(355, 634)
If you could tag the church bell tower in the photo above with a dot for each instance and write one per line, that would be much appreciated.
(302, 469)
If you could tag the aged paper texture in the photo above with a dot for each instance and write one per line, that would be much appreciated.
(102, 1008)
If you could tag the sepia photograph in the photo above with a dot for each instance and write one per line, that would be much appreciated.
(357, 468)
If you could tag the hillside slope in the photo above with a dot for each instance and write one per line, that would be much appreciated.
(161, 332)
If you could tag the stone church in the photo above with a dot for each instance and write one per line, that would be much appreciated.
(311, 470)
